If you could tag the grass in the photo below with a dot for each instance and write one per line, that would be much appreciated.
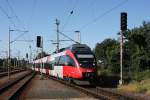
(137, 87)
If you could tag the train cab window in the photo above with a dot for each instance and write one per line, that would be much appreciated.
(69, 61)
(86, 60)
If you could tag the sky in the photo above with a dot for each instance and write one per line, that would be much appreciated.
(95, 19)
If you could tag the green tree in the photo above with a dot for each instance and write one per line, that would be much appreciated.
(136, 51)
(107, 52)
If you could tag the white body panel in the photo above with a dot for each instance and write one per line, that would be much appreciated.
(58, 71)
(51, 72)
(36, 69)
(43, 70)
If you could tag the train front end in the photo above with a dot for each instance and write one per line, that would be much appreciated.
(86, 64)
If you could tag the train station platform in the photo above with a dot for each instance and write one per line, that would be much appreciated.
(48, 89)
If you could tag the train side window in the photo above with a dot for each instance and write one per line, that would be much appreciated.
(61, 61)
(56, 60)
(36, 65)
(33, 65)
(46, 65)
(39, 65)
(51, 65)
(69, 61)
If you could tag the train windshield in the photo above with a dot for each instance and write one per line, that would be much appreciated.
(86, 60)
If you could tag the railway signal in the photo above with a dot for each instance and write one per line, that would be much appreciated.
(38, 42)
(27, 55)
(123, 29)
(123, 21)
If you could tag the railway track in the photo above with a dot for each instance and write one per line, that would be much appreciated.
(2, 74)
(104, 94)
(11, 89)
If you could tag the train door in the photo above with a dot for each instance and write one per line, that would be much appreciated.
(51, 67)
(70, 69)
(58, 68)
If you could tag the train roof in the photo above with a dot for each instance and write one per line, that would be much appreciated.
(75, 48)
(79, 48)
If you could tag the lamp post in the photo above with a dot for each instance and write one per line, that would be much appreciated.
(78, 35)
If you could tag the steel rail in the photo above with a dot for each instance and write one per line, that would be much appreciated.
(12, 82)
(2, 74)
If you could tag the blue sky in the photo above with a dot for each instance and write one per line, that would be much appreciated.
(38, 17)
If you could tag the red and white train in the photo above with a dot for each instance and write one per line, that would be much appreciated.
(74, 63)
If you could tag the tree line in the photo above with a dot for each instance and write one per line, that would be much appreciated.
(136, 53)
(15, 64)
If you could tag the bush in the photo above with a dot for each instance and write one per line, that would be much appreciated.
(137, 87)
(103, 72)
(139, 76)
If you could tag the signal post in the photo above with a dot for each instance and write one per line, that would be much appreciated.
(123, 30)
(39, 44)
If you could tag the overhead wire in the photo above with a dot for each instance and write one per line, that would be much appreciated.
(102, 15)
(18, 19)
(68, 37)
(6, 14)
(18, 37)
(66, 23)
(32, 13)
(12, 10)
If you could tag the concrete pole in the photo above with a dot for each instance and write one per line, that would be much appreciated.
(9, 60)
(121, 57)
(57, 23)
(18, 59)
(41, 57)
(30, 54)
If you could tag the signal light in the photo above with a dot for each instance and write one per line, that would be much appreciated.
(123, 21)
(38, 42)
(26, 55)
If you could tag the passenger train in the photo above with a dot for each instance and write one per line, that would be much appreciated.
(75, 63)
